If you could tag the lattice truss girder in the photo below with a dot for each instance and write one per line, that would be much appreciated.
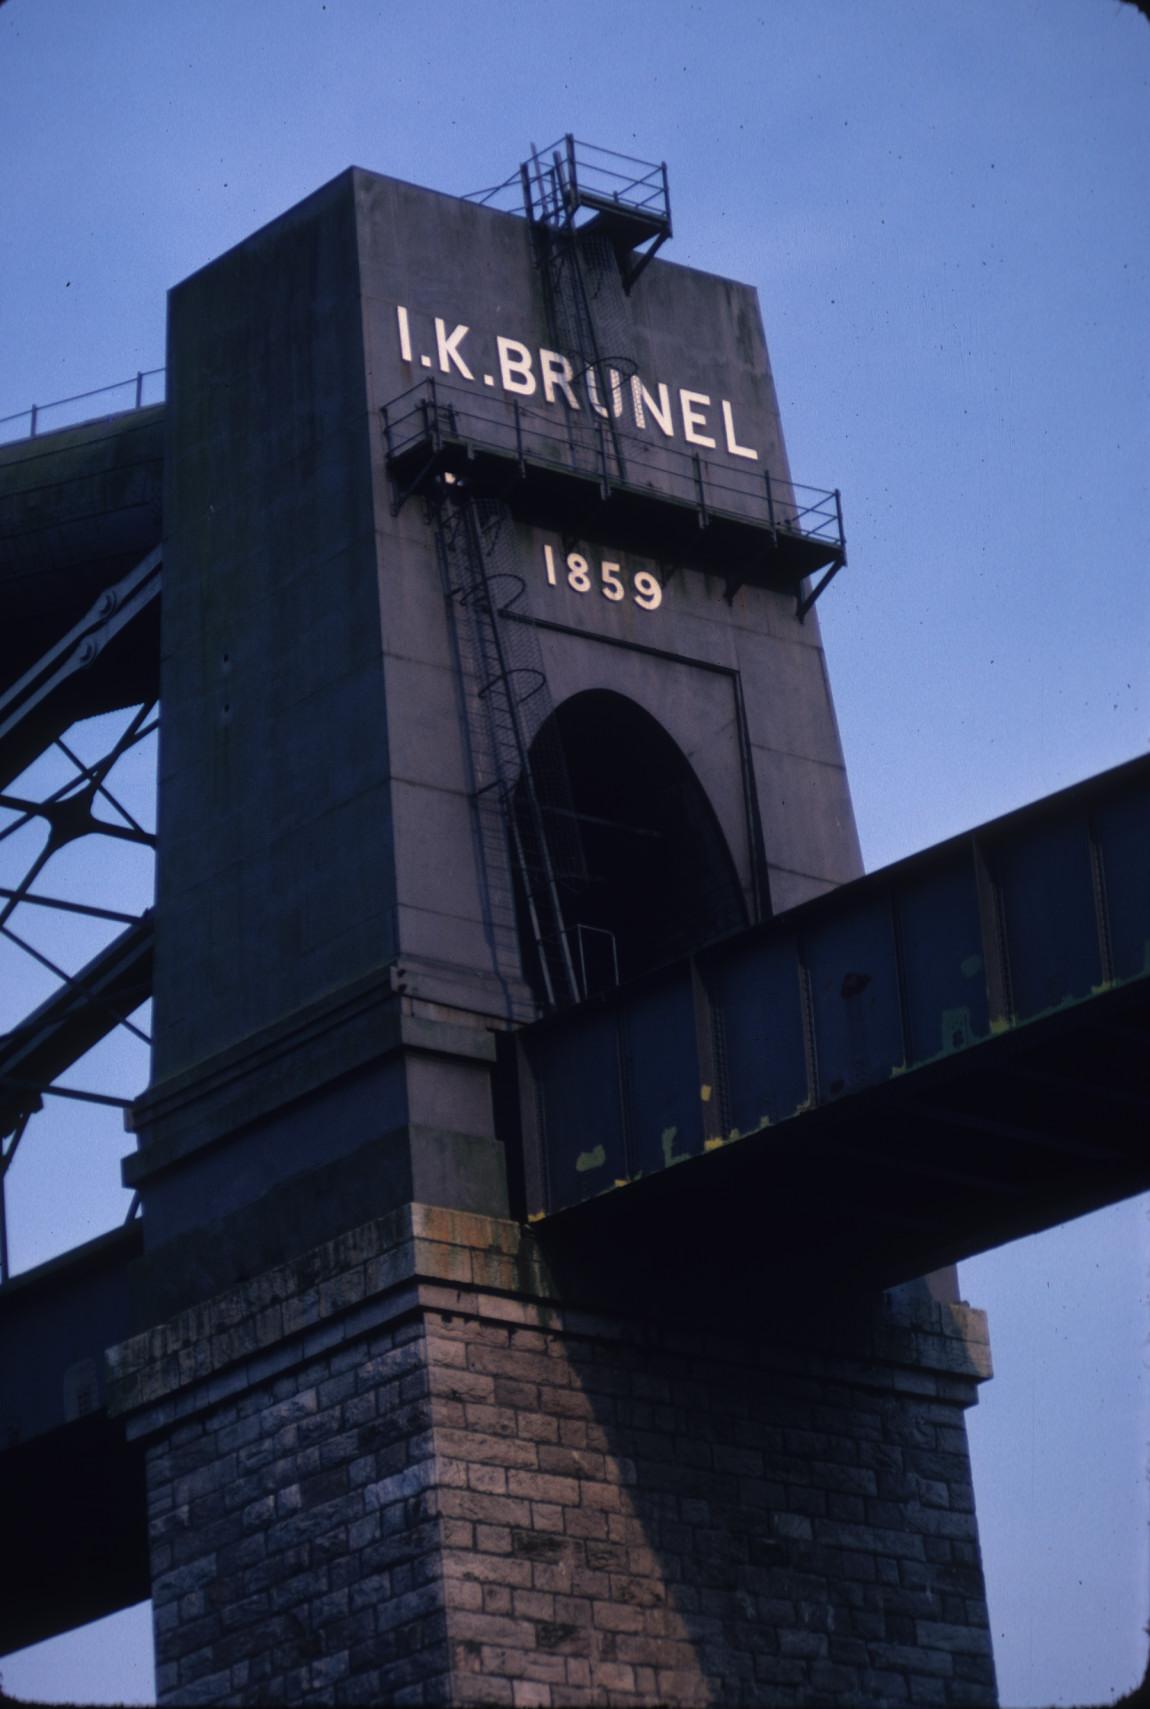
(77, 839)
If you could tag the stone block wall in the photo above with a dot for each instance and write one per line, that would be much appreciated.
(401, 1470)
(668, 1519)
(295, 1543)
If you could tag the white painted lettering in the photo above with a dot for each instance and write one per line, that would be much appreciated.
(733, 446)
(555, 378)
(694, 418)
(404, 332)
(448, 348)
(515, 368)
(557, 371)
(614, 380)
(646, 590)
(642, 401)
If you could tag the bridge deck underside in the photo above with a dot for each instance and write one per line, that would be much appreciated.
(1027, 1131)
(71, 1486)
(76, 1531)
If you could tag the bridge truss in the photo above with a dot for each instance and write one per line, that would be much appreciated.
(76, 863)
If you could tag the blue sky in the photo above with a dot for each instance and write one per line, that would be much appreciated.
(943, 209)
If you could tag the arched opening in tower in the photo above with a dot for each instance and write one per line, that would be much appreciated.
(656, 878)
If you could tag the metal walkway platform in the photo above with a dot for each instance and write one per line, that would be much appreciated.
(581, 188)
(563, 472)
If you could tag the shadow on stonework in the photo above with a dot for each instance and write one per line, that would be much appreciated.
(774, 1499)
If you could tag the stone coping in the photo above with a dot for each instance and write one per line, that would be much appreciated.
(423, 1258)
(338, 1034)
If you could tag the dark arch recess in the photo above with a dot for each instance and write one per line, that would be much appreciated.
(660, 877)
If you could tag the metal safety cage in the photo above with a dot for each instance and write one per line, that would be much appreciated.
(573, 186)
(572, 181)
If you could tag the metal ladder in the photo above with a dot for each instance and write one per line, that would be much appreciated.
(584, 300)
(526, 824)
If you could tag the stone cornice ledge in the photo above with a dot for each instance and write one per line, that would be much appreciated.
(422, 1258)
(357, 1026)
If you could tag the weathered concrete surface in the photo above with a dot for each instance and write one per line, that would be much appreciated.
(317, 864)
(300, 612)
(272, 878)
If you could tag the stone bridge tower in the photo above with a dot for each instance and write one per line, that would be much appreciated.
(492, 685)
(489, 676)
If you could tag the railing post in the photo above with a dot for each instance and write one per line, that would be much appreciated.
(519, 436)
(839, 514)
(604, 479)
(701, 489)
(572, 175)
(139, 387)
(32, 429)
(770, 499)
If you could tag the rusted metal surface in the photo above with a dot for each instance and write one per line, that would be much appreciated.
(956, 1043)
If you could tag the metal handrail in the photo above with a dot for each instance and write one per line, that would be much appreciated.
(586, 169)
(35, 413)
(431, 412)
(579, 163)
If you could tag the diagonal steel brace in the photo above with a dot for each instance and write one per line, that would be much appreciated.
(116, 608)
